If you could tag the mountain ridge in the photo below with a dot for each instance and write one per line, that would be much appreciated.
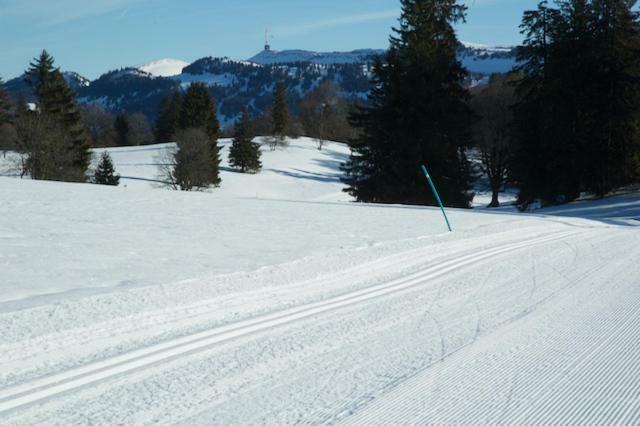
(236, 83)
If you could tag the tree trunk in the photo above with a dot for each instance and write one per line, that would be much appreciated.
(495, 202)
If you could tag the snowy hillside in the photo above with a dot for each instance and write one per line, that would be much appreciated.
(271, 57)
(163, 67)
(300, 172)
(275, 300)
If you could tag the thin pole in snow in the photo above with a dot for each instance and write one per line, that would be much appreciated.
(435, 192)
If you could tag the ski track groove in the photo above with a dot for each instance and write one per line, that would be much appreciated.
(616, 326)
(44, 389)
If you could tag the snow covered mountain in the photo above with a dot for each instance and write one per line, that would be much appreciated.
(271, 57)
(235, 84)
(19, 86)
(163, 67)
(486, 60)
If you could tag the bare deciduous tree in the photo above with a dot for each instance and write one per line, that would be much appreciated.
(493, 132)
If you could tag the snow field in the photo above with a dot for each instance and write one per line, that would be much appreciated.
(135, 305)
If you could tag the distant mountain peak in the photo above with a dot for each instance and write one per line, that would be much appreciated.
(272, 57)
(166, 67)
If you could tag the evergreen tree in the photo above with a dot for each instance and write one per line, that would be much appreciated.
(5, 107)
(198, 111)
(579, 98)
(105, 172)
(615, 99)
(280, 115)
(168, 118)
(57, 100)
(419, 114)
(244, 154)
(192, 165)
(123, 129)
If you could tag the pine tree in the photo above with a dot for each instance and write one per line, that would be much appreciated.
(280, 115)
(418, 114)
(198, 111)
(40, 77)
(168, 118)
(57, 100)
(105, 172)
(244, 154)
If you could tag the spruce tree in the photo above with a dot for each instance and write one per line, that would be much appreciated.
(244, 154)
(615, 99)
(198, 111)
(418, 114)
(168, 118)
(57, 100)
(280, 115)
(105, 172)
(579, 97)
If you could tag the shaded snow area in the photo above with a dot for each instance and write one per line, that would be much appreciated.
(275, 300)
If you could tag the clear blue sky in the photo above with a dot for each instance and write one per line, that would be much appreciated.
(94, 36)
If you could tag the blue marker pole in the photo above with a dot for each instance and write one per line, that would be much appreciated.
(435, 192)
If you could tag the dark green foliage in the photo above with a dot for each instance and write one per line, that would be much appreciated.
(280, 114)
(57, 101)
(105, 172)
(579, 98)
(168, 118)
(418, 115)
(244, 154)
(192, 165)
(199, 111)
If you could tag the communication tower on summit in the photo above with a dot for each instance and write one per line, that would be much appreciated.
(267, 45)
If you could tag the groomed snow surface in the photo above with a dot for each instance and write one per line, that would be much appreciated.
(275, 300)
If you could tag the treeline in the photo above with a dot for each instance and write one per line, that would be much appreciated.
(54, 135)
(564, 123)
(578, 100)
(322, 114)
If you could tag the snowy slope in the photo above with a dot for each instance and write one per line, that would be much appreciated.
(163, 67)
(134, 305)
(271, 57)
(300, 172)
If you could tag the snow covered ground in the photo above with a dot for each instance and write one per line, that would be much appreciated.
(275, 300)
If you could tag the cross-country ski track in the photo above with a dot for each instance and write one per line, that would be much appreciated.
(210, 309)
(59, 383)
